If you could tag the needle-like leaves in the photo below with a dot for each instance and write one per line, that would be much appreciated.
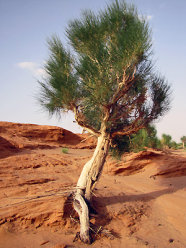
(110, 77)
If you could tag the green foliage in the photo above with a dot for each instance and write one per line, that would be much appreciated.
(64, 150)
(183, 139)
(174, 145)
(158, 144)
(107, 76)
(144, 138)
(120, 144)
(60, 89)
(166, 140)
(139, 141)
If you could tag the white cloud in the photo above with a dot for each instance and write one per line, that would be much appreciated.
(34, 68)
(149, 17)
(41, 72)
(145, 17)
(27, 65)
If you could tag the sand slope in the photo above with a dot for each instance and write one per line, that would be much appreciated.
(140, 199)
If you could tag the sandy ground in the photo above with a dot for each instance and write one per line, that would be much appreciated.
(140, 199)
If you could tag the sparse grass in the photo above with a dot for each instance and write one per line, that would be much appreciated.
(64, 150)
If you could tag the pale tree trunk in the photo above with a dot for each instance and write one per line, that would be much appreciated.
(89, 176)
(183, 143)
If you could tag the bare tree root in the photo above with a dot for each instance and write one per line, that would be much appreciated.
(82, 209)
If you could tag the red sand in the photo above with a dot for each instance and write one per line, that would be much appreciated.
(141, 199)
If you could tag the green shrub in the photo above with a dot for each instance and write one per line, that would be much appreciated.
(64, 150)
(139, 141)
(146, 137)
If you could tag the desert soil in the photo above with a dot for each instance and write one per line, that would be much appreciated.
(140, 199)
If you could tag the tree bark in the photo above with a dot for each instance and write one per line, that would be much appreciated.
(87, 180)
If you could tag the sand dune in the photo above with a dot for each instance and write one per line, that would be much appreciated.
(140, 199)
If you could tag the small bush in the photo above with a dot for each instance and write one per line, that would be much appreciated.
(64, 150)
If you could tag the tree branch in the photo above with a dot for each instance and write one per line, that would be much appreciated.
(124, 85)
(129, 130)
(139, 123)
(80, 118)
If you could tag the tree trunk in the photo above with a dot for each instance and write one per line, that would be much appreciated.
(89, 176)
(183, 143)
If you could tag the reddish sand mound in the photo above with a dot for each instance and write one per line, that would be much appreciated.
(88, 141)
(172, 166)
(132, 211)
(149, 154)
(15, 135)
(36, 187)
(168, 164)
(6, 148)
(132, 163)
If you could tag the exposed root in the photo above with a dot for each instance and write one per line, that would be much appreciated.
(82, 209)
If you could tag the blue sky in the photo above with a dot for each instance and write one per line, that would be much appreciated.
(26, 24)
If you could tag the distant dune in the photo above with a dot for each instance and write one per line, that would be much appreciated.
(16, 136)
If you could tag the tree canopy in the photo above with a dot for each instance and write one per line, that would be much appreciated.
(183, 140)
(107, 75)
(166, 140)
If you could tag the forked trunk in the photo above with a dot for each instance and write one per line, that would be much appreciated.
(89, 176)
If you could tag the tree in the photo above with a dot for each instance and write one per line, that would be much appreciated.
(153, 140)
(139, 140)
(146, 137)
(107, 79)
(166, 140)
(183, 140)
(174, 145)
